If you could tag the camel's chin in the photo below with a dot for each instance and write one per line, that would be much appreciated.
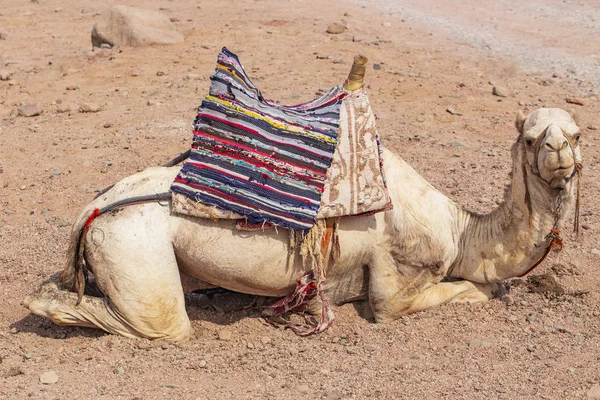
(558, 183)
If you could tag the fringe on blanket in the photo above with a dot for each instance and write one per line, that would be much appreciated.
(317, 248)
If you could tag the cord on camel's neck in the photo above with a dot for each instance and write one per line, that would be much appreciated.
(509, 240)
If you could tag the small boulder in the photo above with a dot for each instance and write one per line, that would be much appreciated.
(5, 75)
(30, 110)
(98, 53)
(89, 107)
(336, 28)
(500, 91)
(128, 26)
(48, 378)
(224, 335)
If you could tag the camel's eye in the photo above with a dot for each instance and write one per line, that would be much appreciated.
(576, 138)
(529, 142)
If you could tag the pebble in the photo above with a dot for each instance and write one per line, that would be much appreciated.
(5, 75)
(68, 107)
(575, 100)
(595, 252)
(73, 87)
(151, 103)
(27, 356)
(336, 28)
(451, 111)
(107, 125)
(592, 127)
(594, 392)
(265, 340)
(48, 378)
(303, 389)
(415, 356)
(161, 73)
(119, 371)
(30, 110)
(500, 91)
(387, 24)
(89, 107)
(350, 350)
(224, 334)
(420, 119)
(376, 66)
(171, 386)
(202, 364)
(459, 145)
(479, 343)
(56, 172)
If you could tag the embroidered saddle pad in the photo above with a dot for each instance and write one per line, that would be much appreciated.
(267, 164)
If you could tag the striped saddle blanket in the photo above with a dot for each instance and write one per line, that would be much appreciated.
(266, 164)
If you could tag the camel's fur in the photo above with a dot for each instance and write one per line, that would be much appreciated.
(143, 257)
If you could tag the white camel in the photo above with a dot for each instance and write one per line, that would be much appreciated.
(144, 257)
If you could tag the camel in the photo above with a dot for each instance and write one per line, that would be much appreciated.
(424, 252)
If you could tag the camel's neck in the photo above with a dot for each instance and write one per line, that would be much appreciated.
(508, 241)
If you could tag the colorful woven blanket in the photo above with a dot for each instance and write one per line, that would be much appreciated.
(259, 159)
(267, 164)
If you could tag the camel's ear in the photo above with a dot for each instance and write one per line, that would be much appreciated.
(575, 116)
(520, 121)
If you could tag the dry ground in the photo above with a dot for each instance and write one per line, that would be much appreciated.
(545, 345)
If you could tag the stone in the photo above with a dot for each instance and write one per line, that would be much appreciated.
(48, 378)
(595, 252)
(89, 107)
(303, 389)
(459, 145)
(67, 107)
(151, 103)
(224, 335)
(592, 127)
(500, 91)
(336, 28)
(119, 371)
(107, 125)
(387, 24)
(5, 75)
(30, 110)
(376, 67)
(265, 340)
(56, 172)
(479, 343)
(451, 111)
(575, 100)
(129, 26)
(420, 119)
(98, 53)
(594, 392)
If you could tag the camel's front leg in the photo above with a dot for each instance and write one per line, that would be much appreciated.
(394, 293)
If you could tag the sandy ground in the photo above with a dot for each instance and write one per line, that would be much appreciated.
(544, 346)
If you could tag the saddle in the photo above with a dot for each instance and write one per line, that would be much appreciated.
(265, 164)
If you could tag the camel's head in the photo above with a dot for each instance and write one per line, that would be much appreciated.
(550, 140)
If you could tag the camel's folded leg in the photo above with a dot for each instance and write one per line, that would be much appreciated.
(93, 312)
(392, 294)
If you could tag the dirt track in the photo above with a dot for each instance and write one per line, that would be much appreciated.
(543, 346)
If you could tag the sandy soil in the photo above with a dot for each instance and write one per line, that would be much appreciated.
(546, 345)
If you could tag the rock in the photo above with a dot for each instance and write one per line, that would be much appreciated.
(450, 110)
(575, 100)
(98, 53)
(68, 107)
(171, 386)
(27, 356)
(151, 103)
(595, 252)
(48, 378)
(5, 75)
(107, 125)
(73, 87)
(479, 343)
(265, 340)
(119, 371)
(376, 67)
(303, 389)
(56, 172)
(161, 73)
(202, 364)
(387, 24)
(30, 110)
(89, 107)
(592, 127)
(420, 119)
(224, 334)
(500, 91)
(336, 28)
(128, 26)
(415, 356)
(459, 145)
(594, 392)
